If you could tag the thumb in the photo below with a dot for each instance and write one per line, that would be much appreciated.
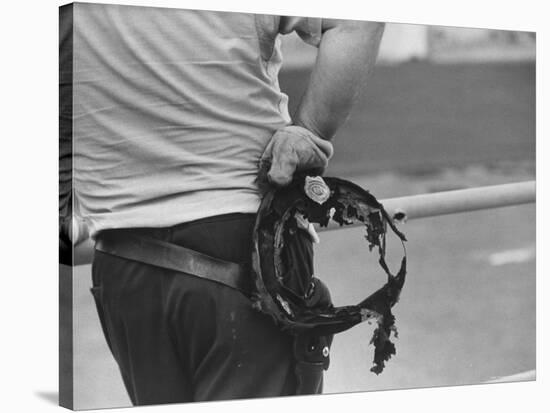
(282, 168)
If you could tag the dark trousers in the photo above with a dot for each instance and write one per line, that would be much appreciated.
(178, 338)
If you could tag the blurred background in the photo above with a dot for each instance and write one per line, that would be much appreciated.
(446, 108)
(451, 96)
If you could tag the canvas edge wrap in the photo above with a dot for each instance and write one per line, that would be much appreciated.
(66, 360)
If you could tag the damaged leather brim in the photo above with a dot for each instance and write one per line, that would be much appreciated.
(320, 200)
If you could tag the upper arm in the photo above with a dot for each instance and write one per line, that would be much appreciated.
(351, 25)
(309, 29)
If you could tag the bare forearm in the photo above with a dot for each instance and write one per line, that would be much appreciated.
(346, 57)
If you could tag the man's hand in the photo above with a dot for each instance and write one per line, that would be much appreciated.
(347, 53)
(292, 149)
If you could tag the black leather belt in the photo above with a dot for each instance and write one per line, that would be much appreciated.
(152, 251)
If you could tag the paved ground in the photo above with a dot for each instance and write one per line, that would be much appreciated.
(467, 313)
(461, 318)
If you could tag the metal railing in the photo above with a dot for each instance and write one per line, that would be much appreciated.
(420, 206)
(453, 202)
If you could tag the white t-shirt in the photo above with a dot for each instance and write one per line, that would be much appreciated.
(172, 110)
